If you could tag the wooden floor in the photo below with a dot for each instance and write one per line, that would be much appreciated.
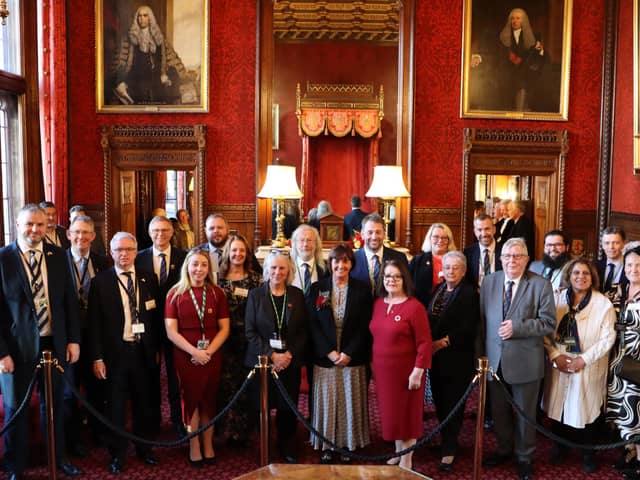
(330, 472)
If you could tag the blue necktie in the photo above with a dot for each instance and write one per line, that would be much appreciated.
(307, 279)
(163, 268)
(376, 269)
(508, 293)
(609, 279)
(486, 265)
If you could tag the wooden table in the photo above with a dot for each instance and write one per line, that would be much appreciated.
(330, 472)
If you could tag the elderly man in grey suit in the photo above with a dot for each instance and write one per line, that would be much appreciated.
(517, 311)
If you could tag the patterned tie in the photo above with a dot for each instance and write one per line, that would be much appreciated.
(163, 268)
(609, 280)
(376, 269)
(37, 289)
(307, 279)
(86, 280)
(131, 293)
(486, 265)
(507, 299)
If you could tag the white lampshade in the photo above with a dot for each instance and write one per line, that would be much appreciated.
(387, 182)
(280, 183)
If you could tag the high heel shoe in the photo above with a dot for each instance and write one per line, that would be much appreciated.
(446, 466)
(196, 463)
(210, 460)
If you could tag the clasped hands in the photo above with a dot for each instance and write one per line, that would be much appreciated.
(567, 364)
(200, 357)
(339, 359)
(281, 360)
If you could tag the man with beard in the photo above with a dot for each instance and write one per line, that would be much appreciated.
(556, 254)
(216, 230)
(483, 257)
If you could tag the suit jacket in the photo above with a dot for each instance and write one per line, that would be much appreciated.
(19, 336)
(533, 315)
(474, 254)
(601, 266)
(502, 237)
(260, 324)
(522, 228)
(353, 221)
(144, 261)
(99, 263)
(356, 339)
(62, 235)
(459, 320)
(360, 270)
(421, 270)
(556, 275)
(107, 318)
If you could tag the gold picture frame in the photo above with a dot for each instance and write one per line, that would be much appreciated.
(636, 88)
(152, 56)
(527, 80)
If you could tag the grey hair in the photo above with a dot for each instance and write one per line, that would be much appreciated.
(426, 245)
(516, 242)
(455, 254)
(135, 32)
(83, 218)
(527, 32)
(121, 235)
(269, 260)
(317, 255)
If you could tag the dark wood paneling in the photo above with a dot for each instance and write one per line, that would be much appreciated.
(240, 217)
(423, 218)
(581, 227)
(630, 223)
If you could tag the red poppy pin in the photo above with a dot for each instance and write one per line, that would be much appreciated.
(323, 300)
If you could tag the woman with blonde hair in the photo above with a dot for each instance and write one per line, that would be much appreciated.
(197, 322)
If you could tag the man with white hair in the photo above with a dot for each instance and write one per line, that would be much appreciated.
(148, 68)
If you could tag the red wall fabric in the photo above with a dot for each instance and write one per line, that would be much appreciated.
(624, 185)
(438, 126)
(230, 121)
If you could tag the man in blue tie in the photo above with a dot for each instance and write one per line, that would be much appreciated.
(610, 268)
(517, 310)
(38, 311)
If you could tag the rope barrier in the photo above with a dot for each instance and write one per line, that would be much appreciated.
(377, 458)
(134, 438)
(556, 438)
(24, 402)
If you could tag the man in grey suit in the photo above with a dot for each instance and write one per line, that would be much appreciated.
(517, 310)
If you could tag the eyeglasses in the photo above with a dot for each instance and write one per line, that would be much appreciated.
(437, 238)
(124, 250)
(554, 245)
(155, 231)
(282, 253)
(452, 267)
(392, 278)
(513, 256)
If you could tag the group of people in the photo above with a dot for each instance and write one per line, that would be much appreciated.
(548, 328)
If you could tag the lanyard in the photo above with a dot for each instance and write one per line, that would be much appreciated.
(279, 318)
(133, 297)
(35, 271)
(200, 310)
(79, 279)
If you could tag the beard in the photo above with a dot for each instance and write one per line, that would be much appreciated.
(555, 263)
(220, 244)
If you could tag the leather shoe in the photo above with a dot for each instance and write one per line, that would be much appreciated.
(148, 458)
(525, 472)
(496, 459)
(446, 467)
(326, 457)
(69, 469)
(116, 466)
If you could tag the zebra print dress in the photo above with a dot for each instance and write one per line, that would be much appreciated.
(623, 403)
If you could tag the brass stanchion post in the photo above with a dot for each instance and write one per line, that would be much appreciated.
(47, 362)
(483, 368)
(263, 366)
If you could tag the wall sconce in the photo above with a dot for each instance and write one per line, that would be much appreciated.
(280, 185)
(4, 13)
(387, 185)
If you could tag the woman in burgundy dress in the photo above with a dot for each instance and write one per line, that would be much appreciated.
(197, 322)
(401, 354)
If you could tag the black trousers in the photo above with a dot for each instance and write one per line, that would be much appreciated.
(447, 389)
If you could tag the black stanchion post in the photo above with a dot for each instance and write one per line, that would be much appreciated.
(47, 362)
(483, 367)
(263, 366)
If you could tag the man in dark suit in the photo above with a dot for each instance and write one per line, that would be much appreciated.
(517, 310)
(124, 345)
(522, 226)
(38, 311)
(483, 257)
(163, 262)
(217, 233)
(55, 234)
(97, 245)
(556, 255)
(84, 265)
(611, 268)
(504, 223)
(370, 259)
(353, 219)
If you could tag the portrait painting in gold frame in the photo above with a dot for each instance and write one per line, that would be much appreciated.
(152, 56)
(516, 59)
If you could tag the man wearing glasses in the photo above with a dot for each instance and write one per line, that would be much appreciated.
(556, 255)
(517, 310)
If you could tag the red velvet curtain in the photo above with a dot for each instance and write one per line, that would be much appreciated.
(339, 168)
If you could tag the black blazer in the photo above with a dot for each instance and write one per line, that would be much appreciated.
(144, 261)
(260, 323)
(459, 320)
(421, 270)
(522, 228)
(353, 221)
(356, 339)
(107, 318)
(18, 325)
(360, 270)
(473, 254)
(502, 237)
(601, 266)
(99, 263)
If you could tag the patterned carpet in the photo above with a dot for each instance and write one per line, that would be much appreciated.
(235, 461)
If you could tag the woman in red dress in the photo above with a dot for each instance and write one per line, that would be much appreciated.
(401, 354)
(197, 322)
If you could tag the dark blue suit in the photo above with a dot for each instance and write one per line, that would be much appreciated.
(474, 254)
(360, 270)
(353, 221)
(144, 262)
(19, 337)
